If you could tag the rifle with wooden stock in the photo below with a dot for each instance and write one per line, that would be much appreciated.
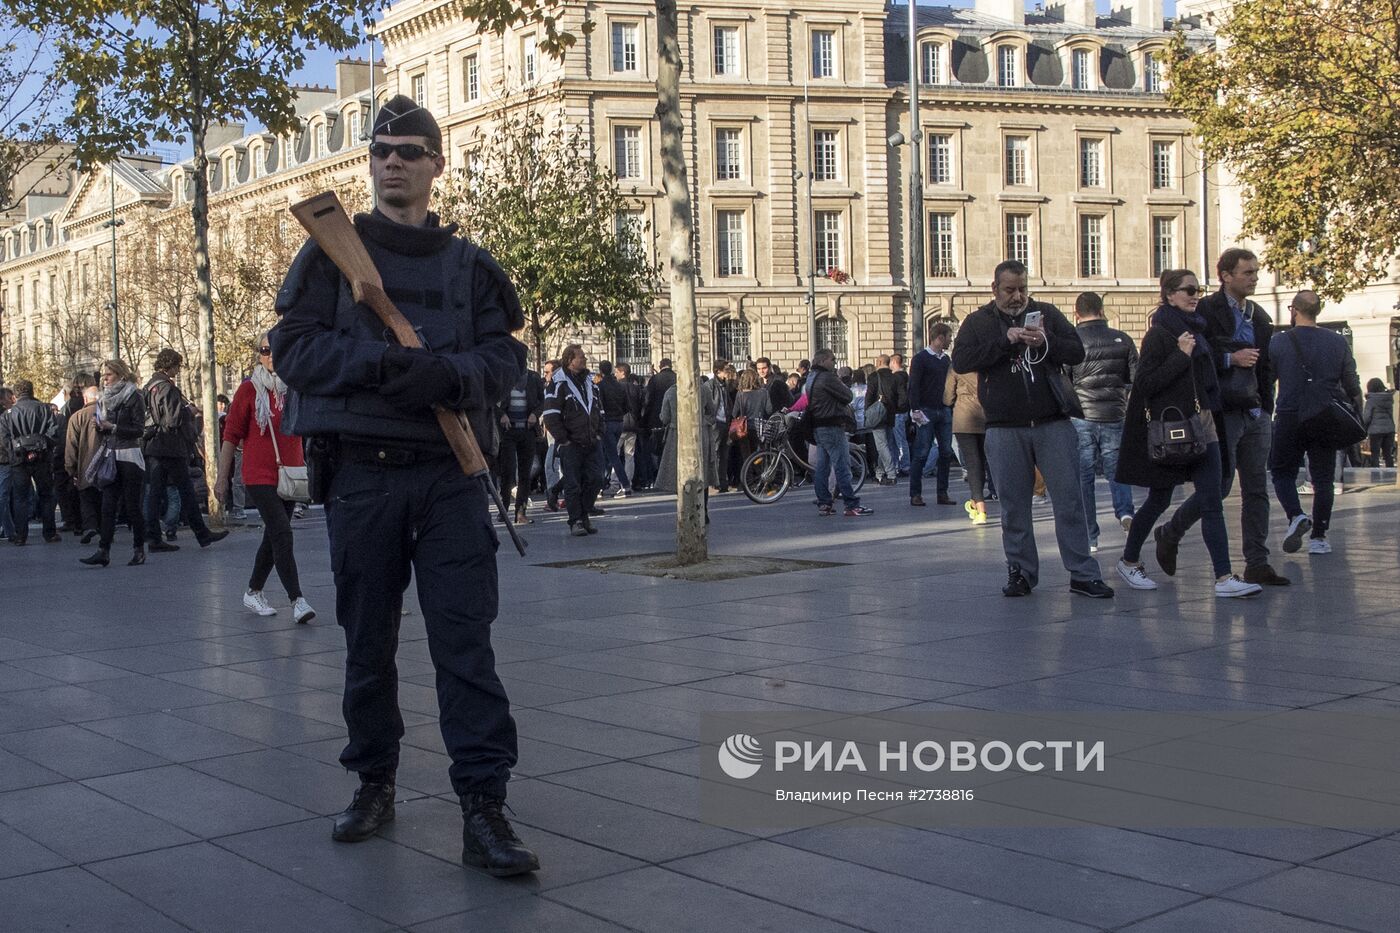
(325, 219)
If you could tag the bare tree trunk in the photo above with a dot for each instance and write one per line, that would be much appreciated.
(208, 379)
(691, 544)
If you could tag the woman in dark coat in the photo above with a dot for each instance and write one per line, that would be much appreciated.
(121, 418)
(1175, 370)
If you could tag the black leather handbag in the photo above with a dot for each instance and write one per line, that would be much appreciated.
(1325, 414)
(1174, 439)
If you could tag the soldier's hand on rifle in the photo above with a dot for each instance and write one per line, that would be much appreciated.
(417, 379)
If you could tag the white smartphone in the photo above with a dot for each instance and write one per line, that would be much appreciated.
(1032, 319)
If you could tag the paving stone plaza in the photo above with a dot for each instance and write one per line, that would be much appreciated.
(168, 759)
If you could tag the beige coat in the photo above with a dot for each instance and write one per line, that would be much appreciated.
(81, 443)
(961, 393)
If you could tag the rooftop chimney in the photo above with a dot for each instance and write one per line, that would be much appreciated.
(1144, 14)
(1012, 11)
(1074, 12)
(352, 76)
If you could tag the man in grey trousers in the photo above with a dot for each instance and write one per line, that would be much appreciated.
(1017, 346)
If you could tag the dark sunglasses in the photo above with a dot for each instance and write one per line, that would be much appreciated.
(409, 152)
(1192, 290)
(264, 351)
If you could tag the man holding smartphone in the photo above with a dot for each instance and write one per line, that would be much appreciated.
(1017, 346)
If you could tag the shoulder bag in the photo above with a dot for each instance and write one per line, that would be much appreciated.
(293, 484)
(1324, 413)
(1174, 439)
(101, 470)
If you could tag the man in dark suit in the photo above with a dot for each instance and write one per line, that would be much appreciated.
(1239, 332)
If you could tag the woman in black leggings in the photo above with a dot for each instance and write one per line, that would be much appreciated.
(120, 419)
(255, 421)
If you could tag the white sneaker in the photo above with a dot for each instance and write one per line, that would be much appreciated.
(1299, 526)
(1135, 575)
(302, 611)
(1127, 522)
(1040, 500)
(1093, 547)
(621, 494)
(1233, 587)
(1319, 546)
(255, 601)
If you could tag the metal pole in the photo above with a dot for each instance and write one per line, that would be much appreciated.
(114, 223)
(916, 187)
(811, 232)
(368, 132)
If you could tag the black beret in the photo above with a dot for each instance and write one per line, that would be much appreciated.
(402, 116)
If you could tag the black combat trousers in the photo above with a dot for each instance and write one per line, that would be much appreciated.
(427, 519)
(583, 477)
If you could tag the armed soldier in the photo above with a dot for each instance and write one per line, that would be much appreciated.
(397, 501)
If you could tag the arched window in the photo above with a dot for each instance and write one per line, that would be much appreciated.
(633, 347)
(732, 339)
(831, 335)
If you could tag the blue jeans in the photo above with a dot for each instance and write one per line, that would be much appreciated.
(939, 429)
(901, 440)
(887, 454)
(1098, 443)
(1207, 483)
(7, 520)
(833, 453)
(613, 462)
(170, 521)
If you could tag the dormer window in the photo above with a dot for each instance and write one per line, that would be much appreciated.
(1082, 70)
(320, 139)
(259, 161)
(1008, 66)
(933, 60)
(1152, 73)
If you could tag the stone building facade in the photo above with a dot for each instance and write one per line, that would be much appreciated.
(1045, 137)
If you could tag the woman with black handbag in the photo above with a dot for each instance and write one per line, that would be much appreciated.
(255, 421)
(121, 419)
(1170, 436)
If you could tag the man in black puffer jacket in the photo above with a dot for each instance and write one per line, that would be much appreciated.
(1101, 382)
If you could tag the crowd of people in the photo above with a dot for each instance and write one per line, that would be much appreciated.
(113, 449)
(1034, 407)
(1031, 406)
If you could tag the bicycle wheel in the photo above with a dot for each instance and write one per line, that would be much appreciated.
(765, 477)
(858, 469)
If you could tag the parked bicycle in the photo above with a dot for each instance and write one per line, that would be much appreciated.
(777, 466)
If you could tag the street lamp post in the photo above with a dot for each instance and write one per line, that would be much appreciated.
(114, 223)
(916, 187)
(811, 231)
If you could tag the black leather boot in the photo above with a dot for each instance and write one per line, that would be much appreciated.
(488, 840)
(101, 558)
(138, 557)
(372, 807)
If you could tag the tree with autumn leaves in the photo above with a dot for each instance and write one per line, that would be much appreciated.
(535, 196)
(147, 71)
(1299, 98)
